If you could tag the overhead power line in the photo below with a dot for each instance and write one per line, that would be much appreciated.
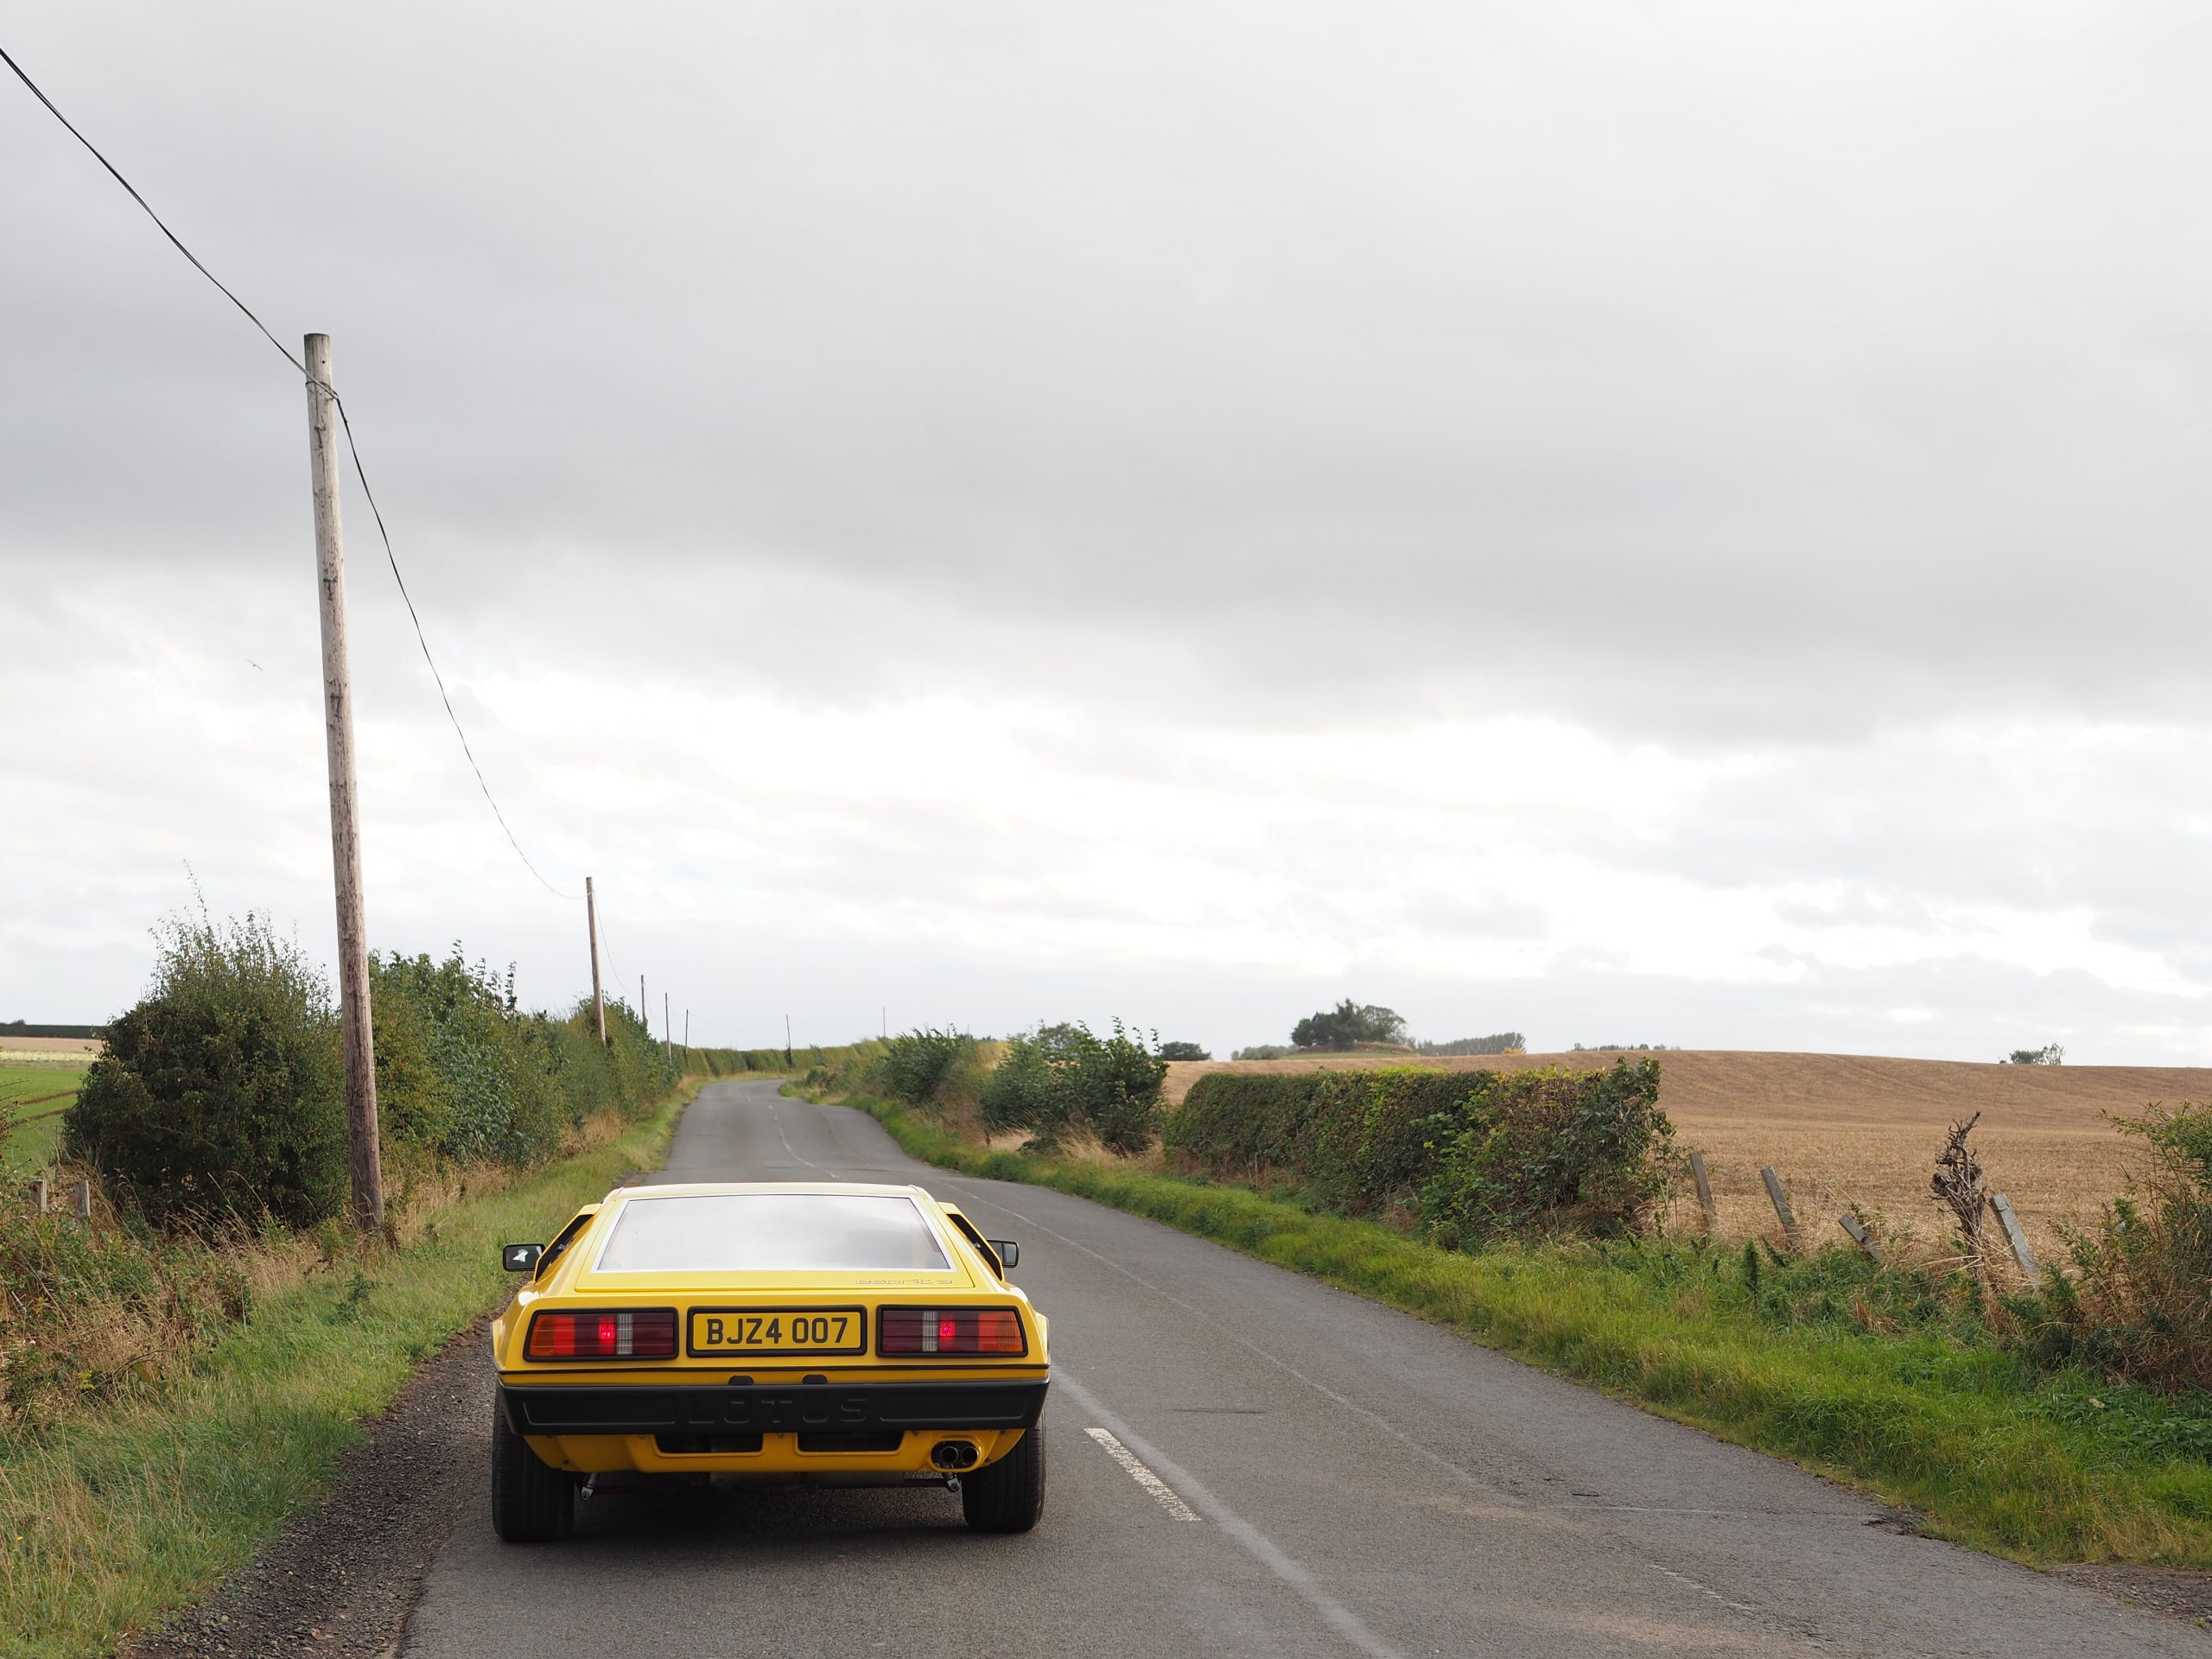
(352, 447)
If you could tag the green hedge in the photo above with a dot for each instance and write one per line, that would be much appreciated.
(1467, 1153)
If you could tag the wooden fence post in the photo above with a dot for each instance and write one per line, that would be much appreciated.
(83, 1197)
(1865, 1240)
(1780, 1205)
(38, 1197)
(1704, 1188)
(2018, 1239)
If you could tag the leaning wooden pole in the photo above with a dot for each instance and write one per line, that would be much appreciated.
(344, 803)
(598, 997)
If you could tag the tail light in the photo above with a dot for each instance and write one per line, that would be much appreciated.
(616, 1334)
(950, 1330)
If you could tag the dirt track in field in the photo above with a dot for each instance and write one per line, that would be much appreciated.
(1848, 1128)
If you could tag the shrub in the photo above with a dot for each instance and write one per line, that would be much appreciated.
(2139, 1305)
(221, 1093)
(1065, 1077)
(915, 1066)
(487, 1091)
(1583, 1151)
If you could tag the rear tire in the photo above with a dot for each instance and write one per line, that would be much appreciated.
(1008, 1496)
(531, 1502)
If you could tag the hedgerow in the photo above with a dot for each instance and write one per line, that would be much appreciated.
(1467, 1154)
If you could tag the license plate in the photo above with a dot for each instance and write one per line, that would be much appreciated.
(717, 1331)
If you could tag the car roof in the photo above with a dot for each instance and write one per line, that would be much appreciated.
(581, 1271)
(698, 1189)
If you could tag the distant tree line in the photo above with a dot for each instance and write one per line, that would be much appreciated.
(1503, 1042)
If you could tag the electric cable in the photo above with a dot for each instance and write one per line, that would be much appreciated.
(352, 449)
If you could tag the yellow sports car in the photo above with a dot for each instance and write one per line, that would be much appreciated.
(826, 1333)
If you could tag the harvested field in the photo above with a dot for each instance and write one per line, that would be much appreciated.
(48, 1048)
(1848, 1128)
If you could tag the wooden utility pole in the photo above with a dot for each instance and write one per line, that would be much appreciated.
(667, 1047)
(345, 804)
(644, 1019)
(598, 998)
(687, 1033)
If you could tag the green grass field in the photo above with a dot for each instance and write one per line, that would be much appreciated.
(1925, 1412)
(32, 1095)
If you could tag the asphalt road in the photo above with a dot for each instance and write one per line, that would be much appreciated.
(1244, 1462)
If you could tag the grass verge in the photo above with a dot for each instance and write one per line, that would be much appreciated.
(1987, 1453)
(111, 1520)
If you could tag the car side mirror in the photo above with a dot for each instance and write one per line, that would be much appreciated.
(520, 1258)
(1009, 1252)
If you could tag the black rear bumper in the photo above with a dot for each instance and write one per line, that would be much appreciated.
(806, 1407)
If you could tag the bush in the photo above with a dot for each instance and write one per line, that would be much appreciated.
(915, 1066)
(1586, 1152)
(1061, 1078)
(1464, 1153)
(222, 1093)
(2139, 1306)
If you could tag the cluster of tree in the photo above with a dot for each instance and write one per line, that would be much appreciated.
(1621, 1048)
(219, 1097)
(2049, 1054)
(1347, 1025)
(1503, 1042)
(1183, 1051)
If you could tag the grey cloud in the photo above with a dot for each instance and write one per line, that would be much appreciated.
(1743, 381)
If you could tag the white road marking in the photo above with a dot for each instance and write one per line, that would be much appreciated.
(1702, 1589)
(1254, 1543)
(1143, 1477)
(777, 1118)
(1465, 1477)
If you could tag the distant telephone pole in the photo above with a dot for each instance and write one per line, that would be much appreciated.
(667, 1047)
(598, 1000)
(354, 1033)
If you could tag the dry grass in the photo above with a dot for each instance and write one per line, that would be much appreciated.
(1845, 1129)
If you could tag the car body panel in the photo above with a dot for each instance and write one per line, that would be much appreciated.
(839, 1416)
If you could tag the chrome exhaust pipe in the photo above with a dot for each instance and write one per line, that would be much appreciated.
(953, 1454)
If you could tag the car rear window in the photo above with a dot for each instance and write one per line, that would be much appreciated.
(772, 1232)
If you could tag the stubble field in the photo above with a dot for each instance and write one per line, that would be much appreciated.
(1844, 1129)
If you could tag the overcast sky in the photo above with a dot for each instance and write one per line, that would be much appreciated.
(1628, 523)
